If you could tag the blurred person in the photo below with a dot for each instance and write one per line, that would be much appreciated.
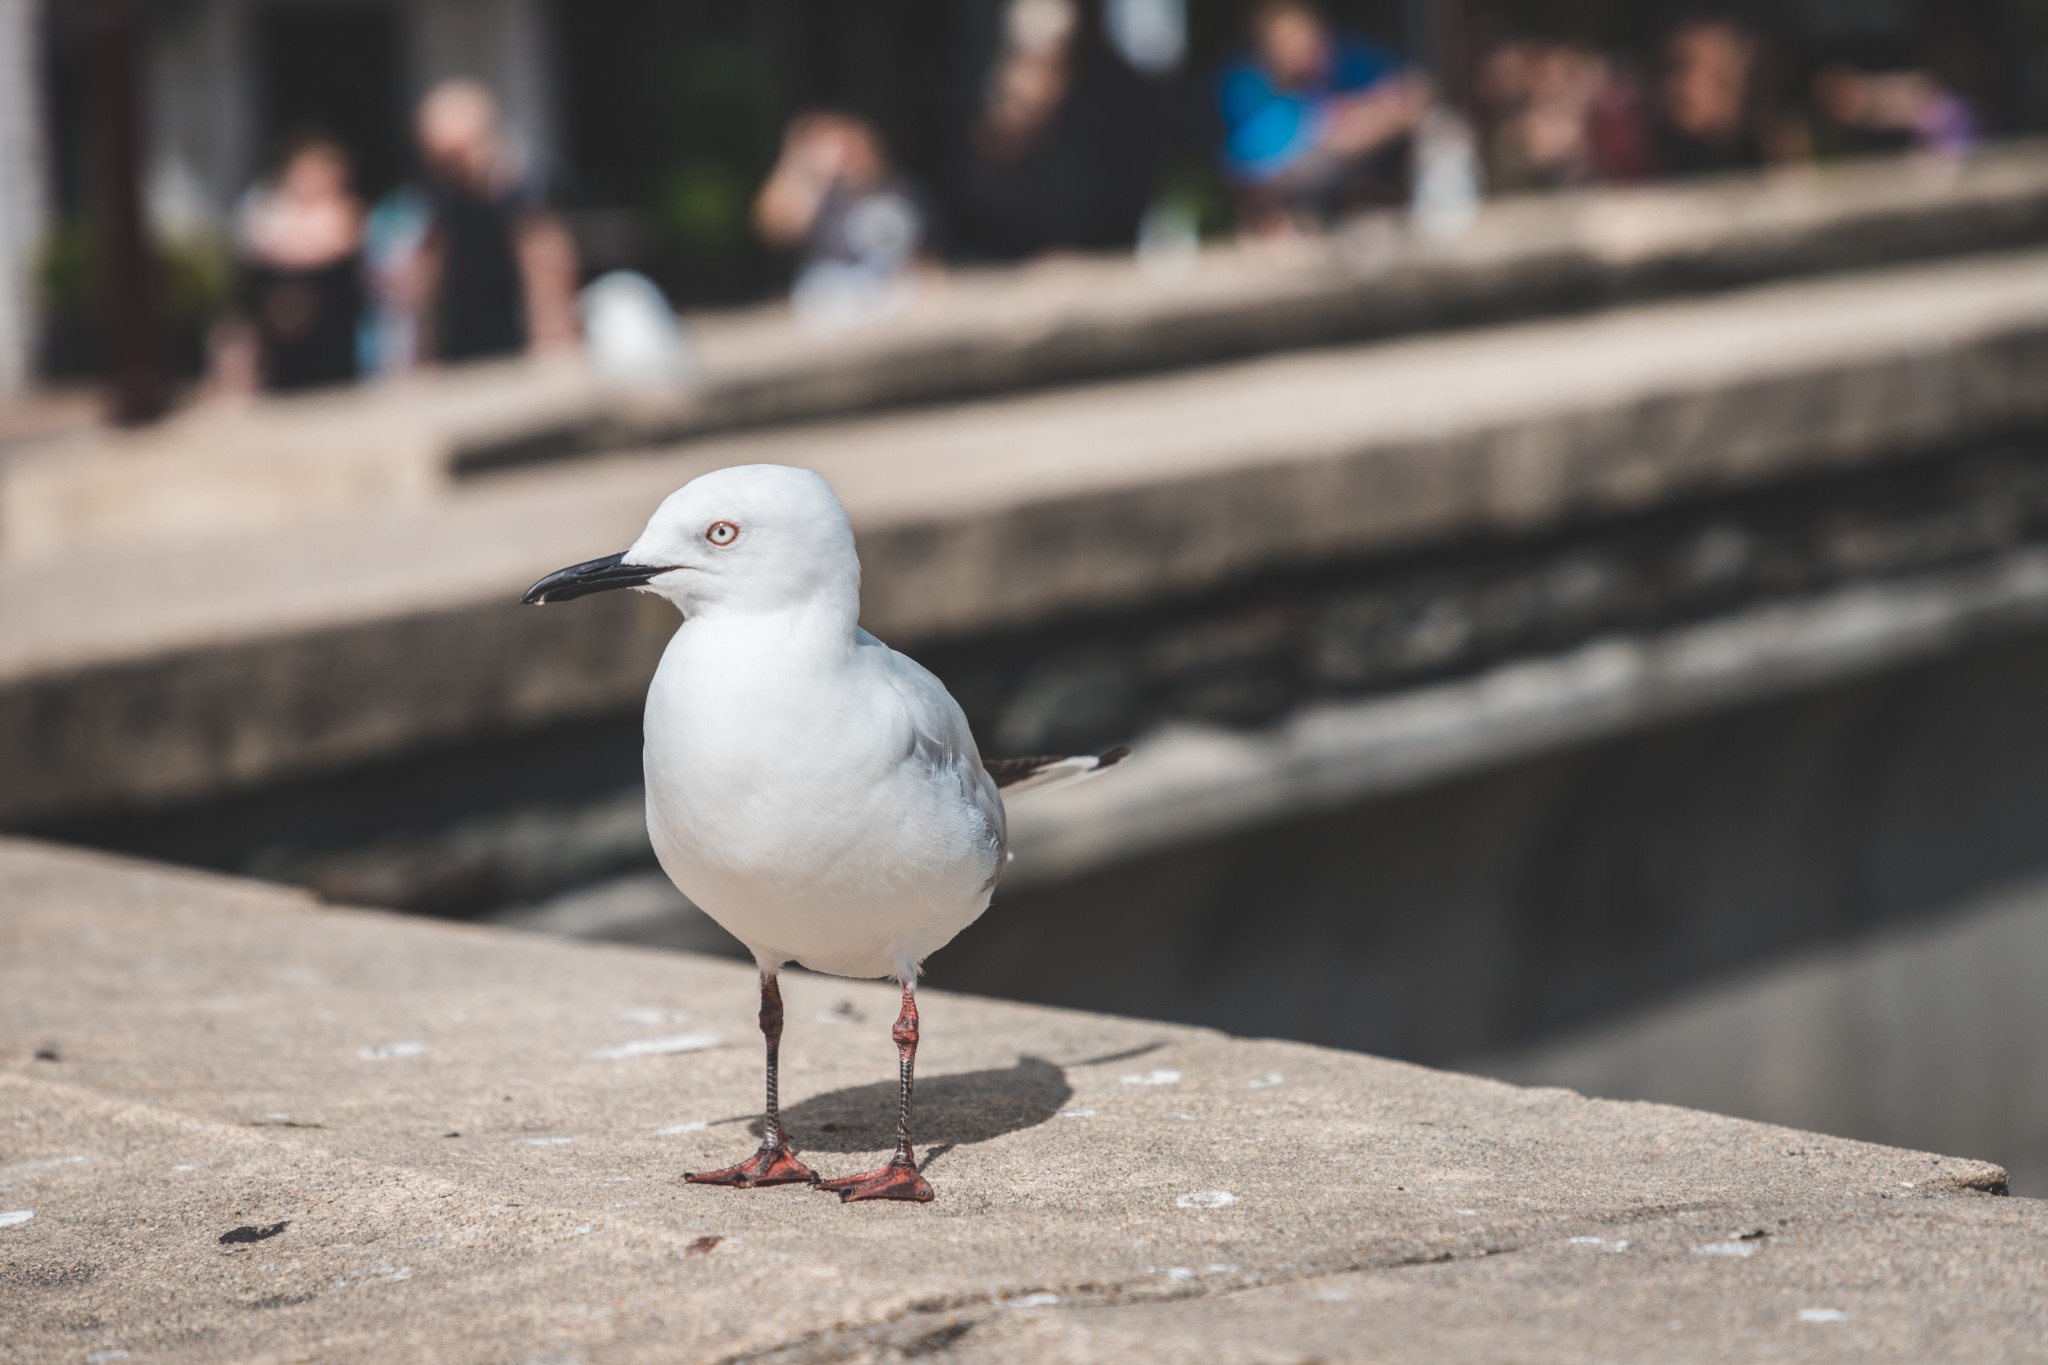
(394, 246)
(1561, 115)
(1861, 111)
(1051, 161)
(858, 228)
(299, 247)
(497, 272)
(1313, 121)
(1713, 107)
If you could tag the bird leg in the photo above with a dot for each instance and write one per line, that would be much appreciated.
(899, 1179)
(775, 1163)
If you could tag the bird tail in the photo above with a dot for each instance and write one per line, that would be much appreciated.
(1017, 776)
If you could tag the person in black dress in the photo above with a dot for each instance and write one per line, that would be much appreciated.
(301, 286)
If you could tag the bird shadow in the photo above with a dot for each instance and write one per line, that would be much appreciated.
(952, 1110)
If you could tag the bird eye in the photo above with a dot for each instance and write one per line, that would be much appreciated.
(721, 533)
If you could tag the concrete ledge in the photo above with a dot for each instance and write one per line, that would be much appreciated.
(1089, 318)
(157, 673)
(1191, 781)
(284, 462)
(239, 1123)
(278, 462)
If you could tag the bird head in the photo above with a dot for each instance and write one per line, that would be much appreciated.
(749, 538)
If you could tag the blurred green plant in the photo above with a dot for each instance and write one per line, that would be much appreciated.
(703, 207)
(1196, 190)
(195, 281)
(194, 276)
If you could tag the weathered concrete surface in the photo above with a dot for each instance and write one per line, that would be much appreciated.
(284, 462)
(277, 462)
(464, 1168)
(144, 674)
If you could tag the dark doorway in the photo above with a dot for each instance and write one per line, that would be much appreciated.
(334, 71)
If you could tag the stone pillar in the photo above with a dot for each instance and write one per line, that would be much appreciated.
(23, 189)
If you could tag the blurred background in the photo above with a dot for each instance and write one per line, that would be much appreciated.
(1549, 488)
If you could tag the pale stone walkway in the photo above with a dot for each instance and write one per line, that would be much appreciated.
(236, 1125)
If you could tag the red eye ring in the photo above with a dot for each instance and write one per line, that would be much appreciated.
(722, 533)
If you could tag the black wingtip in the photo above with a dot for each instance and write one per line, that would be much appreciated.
(1109, 758)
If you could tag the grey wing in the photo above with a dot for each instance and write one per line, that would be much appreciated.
(940, 738)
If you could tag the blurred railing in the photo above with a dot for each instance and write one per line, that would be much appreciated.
(975, 334)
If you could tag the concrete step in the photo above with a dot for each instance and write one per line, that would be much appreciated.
(237, 1123)
(131, 676)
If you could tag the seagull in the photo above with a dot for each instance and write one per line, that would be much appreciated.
(809, 788)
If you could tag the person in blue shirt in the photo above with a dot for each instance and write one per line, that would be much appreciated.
(1313, 120)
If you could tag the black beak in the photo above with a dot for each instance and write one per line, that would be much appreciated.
(597, 575)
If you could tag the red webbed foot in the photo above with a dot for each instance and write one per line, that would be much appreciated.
(897, 1180)
(776, 1165)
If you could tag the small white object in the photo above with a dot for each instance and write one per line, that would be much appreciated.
(47, 1163)
(1448, 183)
(1725, 1249)
(14, 1218)
(1169, 239)
(1077, 1113)
(631, 335)
(1206, 1199)
(1032, 1301)
(650, 1015)
(378, 1052)
(1152, 35)
(1821, 1315)
(658, 1047)
(836, 296)
(1160, 1076)
(546, 1141)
